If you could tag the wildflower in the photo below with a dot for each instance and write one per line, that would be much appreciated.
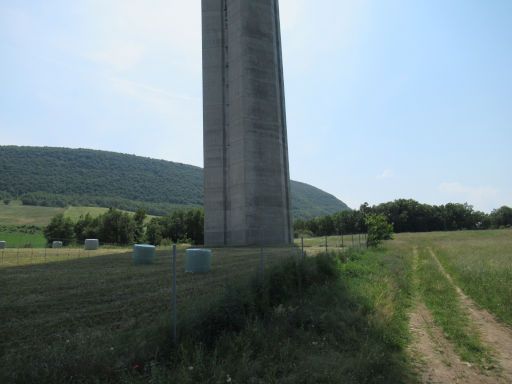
(191, 368)
(228, 379)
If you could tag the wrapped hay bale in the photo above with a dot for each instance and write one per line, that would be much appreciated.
(3, 244)
(91, 244)
(143, 254)
(57, 244)
(198, 260)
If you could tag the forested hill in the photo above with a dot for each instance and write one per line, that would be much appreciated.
(61, 176)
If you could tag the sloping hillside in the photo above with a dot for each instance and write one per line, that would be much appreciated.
(61, 177)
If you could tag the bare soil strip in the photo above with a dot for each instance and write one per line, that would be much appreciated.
(437, 361)
(495, 334)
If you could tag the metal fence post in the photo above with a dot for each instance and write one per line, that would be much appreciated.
(174, 300)
(342, 245)
(262, 264)
(325, 244)
(302, 246)
(352, 240)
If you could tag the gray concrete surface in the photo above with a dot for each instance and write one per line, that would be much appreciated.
(247, 182)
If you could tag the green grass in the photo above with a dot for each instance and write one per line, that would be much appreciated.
(74, 213)
(480, 262)
(331, 333)
(17, 214)
(98, 318)
(315, 245)
(16, 239)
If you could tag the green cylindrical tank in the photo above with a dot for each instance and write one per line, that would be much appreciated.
(3, 244)
(143, 254)
(198, 260)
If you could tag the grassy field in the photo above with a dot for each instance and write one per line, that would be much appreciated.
(95, 317)
(16, 239)
(17, 214)
(480, 263)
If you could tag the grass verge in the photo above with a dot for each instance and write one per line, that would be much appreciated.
(327, 320)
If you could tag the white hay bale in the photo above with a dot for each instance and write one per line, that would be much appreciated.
(91, 244)
(57, 244)
(3, 244)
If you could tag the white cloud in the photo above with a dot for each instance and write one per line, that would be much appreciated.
(119, 57)
(148, 93)
(125, 32)
(482, 197)
(386, 174)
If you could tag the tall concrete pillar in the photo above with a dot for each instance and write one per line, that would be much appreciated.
(247, 182)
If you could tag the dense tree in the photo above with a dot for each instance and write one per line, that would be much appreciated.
(116, 227)
(59, 229)
(501, 217)
(154, 231)
(407, 215)
(139, 218)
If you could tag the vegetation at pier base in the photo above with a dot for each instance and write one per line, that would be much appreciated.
(310, 322)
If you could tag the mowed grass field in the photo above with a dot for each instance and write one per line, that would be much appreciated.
(16, 239)
(16, 213)
(77, 310)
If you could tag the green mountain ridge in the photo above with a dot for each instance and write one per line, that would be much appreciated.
(63, 176)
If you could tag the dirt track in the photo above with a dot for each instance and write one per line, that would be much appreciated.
(436, 360)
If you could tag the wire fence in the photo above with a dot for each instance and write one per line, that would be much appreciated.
(31, 253)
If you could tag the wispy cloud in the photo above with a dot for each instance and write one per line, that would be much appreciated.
(121, 57)
(147, 93)
(386, 174)
(482, 197)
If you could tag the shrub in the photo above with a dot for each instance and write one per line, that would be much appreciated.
(378, 229)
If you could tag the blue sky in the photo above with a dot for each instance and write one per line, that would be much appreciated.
(385, 98)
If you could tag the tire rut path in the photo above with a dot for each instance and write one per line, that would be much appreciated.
(433, 354)
(496, 335)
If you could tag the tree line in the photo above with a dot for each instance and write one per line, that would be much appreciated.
(407, 215)
(187, 225)
(123, 228)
